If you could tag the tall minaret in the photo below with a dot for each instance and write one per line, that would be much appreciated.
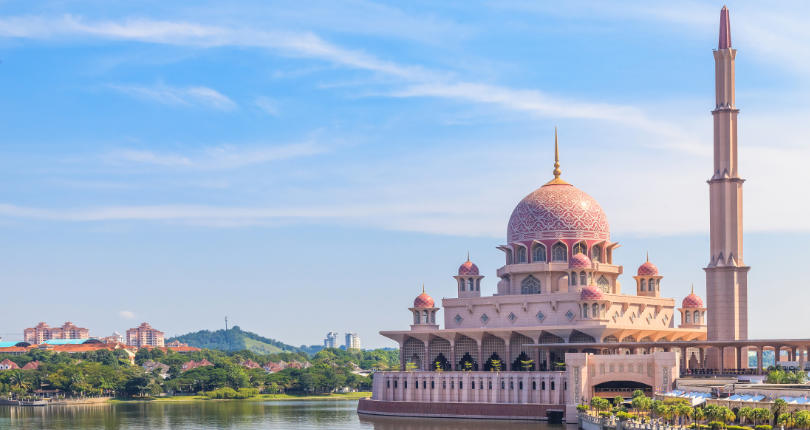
(726, 274)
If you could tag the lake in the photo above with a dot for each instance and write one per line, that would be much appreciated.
(338, 414)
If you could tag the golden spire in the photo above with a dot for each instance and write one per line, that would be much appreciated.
(557, 172)
(423, 288)
(468, 255)
(693, 288)
(648, 256)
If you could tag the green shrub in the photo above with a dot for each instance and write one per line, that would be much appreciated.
(738, 427)
(763, 427)
(605, 414)
(715, 425)
(622, 415)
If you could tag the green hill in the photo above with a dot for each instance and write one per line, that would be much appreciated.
(235, 339)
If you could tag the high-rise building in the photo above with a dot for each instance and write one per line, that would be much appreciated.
(42, 332)
(144, 335)
(726, 273)
(331, 340)
(352, 341)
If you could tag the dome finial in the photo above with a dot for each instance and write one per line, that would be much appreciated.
(423, 287)
(648, 255)
(468, 255)
(693, 288)
(557, 172)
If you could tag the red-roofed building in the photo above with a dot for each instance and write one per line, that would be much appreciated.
(8, 365)
(195, 364)
(31, 365)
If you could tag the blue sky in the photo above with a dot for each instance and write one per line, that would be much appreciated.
(304, 169)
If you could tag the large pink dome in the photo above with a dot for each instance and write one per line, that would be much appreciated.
(558, 211)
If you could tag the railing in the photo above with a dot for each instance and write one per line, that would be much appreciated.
(721, 372)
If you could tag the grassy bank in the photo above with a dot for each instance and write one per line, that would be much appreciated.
(260, 397)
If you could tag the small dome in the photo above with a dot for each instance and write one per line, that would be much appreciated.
(468, 268)
(692, 301)
(591, 292)
(580, 261)
(423, 301)
(647, 269)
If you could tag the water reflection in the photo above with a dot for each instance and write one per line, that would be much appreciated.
(397, 423)
(209, 415)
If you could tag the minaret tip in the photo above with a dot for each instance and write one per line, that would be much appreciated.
(725, 30)
(693, 285)
(648, 256)
(557, 172)
(468, 255)
(423, 288)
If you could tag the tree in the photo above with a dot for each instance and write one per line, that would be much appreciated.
(778, 408)
(786, 419)
(599, 403)
(746, 414)
(699, 414)
(802, 419)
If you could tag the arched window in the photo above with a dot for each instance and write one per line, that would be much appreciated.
(595, 310)
(590, 278)
(596, 253)
(580, 248)
(573, 278)
(416, 317)
(508, 256)
(697, 317)
(539, 253)
(585, 310)
(425, 316)
(643, 284)
(477, 285)
(470, 284)
(688, 316)
(521, 254)
(559, 252)
(582, 279)
(461, 284)
(530, 285)
(603, 284)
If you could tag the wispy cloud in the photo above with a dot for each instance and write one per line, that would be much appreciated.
(266, 105)
(168, 95)
(218, 157)
(127, 314)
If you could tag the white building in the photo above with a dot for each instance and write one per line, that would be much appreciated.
(352, 341)
(331, 340)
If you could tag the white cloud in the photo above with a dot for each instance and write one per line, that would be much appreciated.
(127, 314)
(219, 157)
(188, 96)
(266, 105)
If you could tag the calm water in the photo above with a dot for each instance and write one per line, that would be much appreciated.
(237, 415)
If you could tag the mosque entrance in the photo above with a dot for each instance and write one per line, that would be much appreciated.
(611, 389)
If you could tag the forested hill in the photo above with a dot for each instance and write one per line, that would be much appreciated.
(234, 339)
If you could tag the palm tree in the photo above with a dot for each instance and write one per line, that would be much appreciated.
(700, 415)
(779, 406)
(746, 414)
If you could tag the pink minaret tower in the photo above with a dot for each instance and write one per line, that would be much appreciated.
(726, 274)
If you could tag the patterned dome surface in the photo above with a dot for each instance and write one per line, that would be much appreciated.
(647, 269)
(468, 269)
(590, 293)
(423, 301)
(580, 261)
(558, 211)
(692, 301)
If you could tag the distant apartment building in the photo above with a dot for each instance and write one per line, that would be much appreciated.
(144, 335)
(352, 341)
(331, 340)
(42, 332)
(113, 338)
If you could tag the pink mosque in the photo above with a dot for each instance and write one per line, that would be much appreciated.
(560, 328)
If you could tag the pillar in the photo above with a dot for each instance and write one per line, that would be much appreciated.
(427, 362)
(740, 363)
(453, 364)
(722, 357)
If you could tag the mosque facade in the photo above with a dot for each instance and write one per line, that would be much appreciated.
(561, 327)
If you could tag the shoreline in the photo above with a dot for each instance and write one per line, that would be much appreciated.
(260, 398)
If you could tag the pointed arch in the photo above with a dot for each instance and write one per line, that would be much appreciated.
(413, 351)
(546, 337)
(603, 283)
(580, 337)
(520, 254)
(580, 248)
(530, 285)
(559, 252)
(539, 253)
(596, 253)
(466, 353)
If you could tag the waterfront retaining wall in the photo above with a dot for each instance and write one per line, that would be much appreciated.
(458, 410)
